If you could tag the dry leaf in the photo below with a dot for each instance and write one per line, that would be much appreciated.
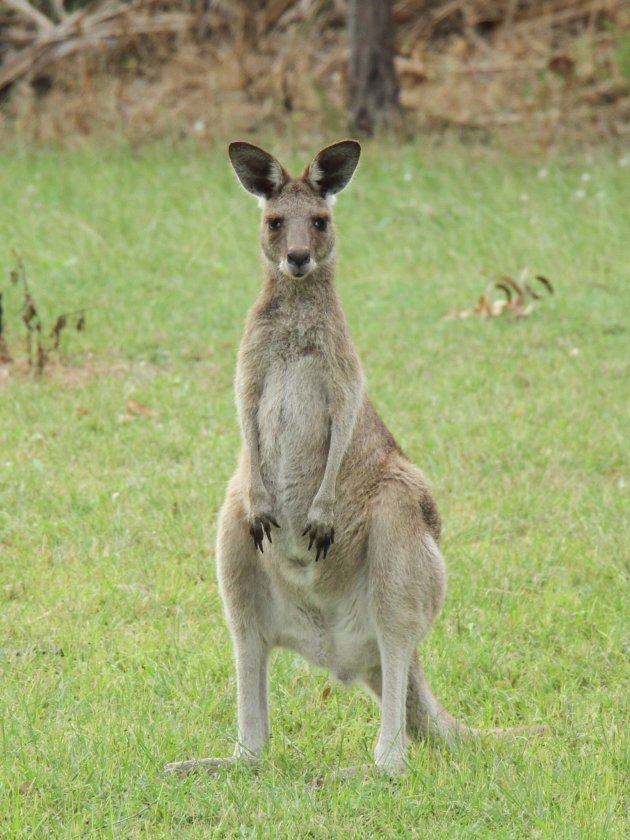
(142, 409)
(55, 333)
(516, 298)
(26, 787)
(505, 288)
(28, 309)
(326, 693)
(295, 683)
(545, 282)
(562, 64)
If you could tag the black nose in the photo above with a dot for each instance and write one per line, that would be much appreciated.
(298, 258)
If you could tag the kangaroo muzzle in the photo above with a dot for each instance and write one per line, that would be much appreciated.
(298, 263)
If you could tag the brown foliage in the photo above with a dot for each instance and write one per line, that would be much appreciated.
(38, 349)
(518, 300)
(156, 67)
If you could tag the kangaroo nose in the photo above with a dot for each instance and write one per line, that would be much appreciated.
(298, 258)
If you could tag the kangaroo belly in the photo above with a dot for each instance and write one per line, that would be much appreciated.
(293, 428)
(337, 634)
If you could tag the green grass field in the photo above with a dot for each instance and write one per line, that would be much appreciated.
(114, 655)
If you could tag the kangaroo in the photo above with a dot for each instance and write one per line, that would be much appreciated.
(328, 539)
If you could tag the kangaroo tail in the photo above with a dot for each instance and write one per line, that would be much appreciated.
(427, 719)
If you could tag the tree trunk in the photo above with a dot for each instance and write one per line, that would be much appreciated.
(372, 84)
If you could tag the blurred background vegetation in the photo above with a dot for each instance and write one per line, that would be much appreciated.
(533, 70)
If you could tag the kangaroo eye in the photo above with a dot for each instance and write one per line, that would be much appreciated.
(275, 224)
(320, 223)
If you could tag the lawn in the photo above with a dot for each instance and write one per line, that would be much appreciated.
(114, 655)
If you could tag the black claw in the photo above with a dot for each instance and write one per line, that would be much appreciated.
(319, 548)
(311, 541)
(257, 540)
(306, 530)
(326, 545)
(261, 528)
(332, 536)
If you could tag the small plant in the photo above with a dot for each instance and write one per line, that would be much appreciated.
(5, 356)
(38, 345)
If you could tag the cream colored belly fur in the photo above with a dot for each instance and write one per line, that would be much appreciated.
(329, 630)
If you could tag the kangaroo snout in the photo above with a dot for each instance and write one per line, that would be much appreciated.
(298, 259)
(298, 263)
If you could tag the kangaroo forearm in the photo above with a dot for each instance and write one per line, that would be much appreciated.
(260, 516)
(250, 435)
(341, 430)
(338, 448)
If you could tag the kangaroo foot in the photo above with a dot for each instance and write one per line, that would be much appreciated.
(209, 766)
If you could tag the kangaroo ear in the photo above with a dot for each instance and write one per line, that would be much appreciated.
(257, 170)
(332, 168)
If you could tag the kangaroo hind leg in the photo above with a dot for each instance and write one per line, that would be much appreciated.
(243, 586)
(407, 581)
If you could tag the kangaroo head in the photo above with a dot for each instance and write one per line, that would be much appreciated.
(297, 233)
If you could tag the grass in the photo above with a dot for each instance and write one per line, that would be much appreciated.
(115, 658)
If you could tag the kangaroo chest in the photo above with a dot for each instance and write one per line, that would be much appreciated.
(293, 426)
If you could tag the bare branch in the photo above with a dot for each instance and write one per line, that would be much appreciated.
(24, 8)
(59, 9)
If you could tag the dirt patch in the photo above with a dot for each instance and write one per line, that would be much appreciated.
(73, 374)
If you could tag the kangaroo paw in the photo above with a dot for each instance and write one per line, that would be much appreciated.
(259, 527)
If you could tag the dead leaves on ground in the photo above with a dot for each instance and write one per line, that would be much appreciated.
(133, 411)
(136, 409)
(519, 300)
